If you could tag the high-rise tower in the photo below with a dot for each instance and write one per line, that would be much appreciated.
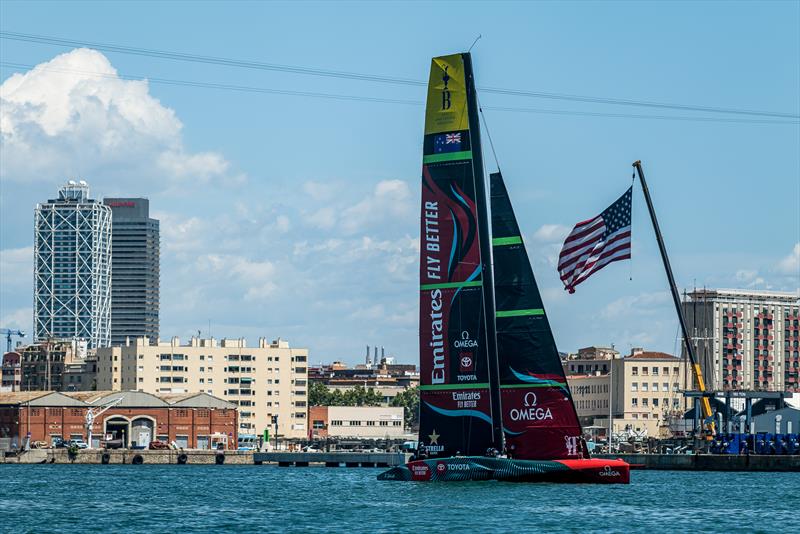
(72, 268)
(746, 339)
(135, 268)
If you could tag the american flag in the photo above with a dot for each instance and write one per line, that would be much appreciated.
(595, 243)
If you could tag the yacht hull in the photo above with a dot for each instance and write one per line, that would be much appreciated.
(465, 468)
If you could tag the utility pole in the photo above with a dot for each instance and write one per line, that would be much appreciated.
(47, 361)
(611, 399)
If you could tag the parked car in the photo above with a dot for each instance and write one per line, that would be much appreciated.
(159, 445)
(78, 443)
(112, 444)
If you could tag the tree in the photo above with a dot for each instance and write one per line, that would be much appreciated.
(318, 394)
(409, 400)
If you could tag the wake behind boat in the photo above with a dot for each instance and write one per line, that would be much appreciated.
(494, 400)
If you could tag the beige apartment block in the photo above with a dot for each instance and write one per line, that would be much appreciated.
(648, 389)
(264, 381)
(589, 361)
(590, 394)
(745, 339)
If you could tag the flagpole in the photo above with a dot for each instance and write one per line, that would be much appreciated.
(674, 290)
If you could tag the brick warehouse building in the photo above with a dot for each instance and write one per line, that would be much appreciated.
(192, 420)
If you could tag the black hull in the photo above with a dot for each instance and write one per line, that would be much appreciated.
(473, 468)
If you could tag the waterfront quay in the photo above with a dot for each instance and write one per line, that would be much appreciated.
(332, 459)
(130, 456)
(206, 457)
(709, 462)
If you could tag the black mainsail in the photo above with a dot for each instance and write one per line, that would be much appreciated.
(539, 418)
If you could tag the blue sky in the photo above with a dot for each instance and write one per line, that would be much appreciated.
(298, 217)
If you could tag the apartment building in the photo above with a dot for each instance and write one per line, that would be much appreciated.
(589, 361)
(648, 390)
(746, 339)
(264, 381)
(56, 365)
(590, 395)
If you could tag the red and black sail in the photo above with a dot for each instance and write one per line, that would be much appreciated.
(455, 339)
(539, 418)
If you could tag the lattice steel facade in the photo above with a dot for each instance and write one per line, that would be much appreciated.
(72, 268)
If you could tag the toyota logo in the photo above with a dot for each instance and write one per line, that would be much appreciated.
(466, 361)
(530, 399)
(441, 468)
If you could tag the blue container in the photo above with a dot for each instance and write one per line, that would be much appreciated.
(769, 437)
(745, 443)
(779, 443)
(792, 444)
(761, 445)
(733, 444)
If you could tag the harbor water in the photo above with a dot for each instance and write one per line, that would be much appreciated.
(173, 498)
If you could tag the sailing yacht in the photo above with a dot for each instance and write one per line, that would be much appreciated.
(494, 400)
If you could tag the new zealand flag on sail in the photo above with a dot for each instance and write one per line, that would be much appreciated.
(447, 142)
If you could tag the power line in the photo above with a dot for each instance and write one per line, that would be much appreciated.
(312, 71)
(360, 98)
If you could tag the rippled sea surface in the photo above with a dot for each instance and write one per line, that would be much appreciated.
(243, 499)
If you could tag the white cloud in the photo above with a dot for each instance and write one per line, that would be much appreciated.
(635, 305)
(551, 233)
(73, 116)
(254, 278)
(16, 265)
(389, 201)
(746, 275)
(283, 224)
(319, 191)
(790, 265)
(19, 319)
(323, 218)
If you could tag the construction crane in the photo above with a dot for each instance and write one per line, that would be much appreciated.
(705, 404)
(93, 413)
(8, 333)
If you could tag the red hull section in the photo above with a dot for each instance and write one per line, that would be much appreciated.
(598, 471)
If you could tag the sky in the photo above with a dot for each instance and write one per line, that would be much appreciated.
(297, 216)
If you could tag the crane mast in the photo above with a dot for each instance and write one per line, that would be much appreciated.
(708, 417)
(8, 333)
(93, 413)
